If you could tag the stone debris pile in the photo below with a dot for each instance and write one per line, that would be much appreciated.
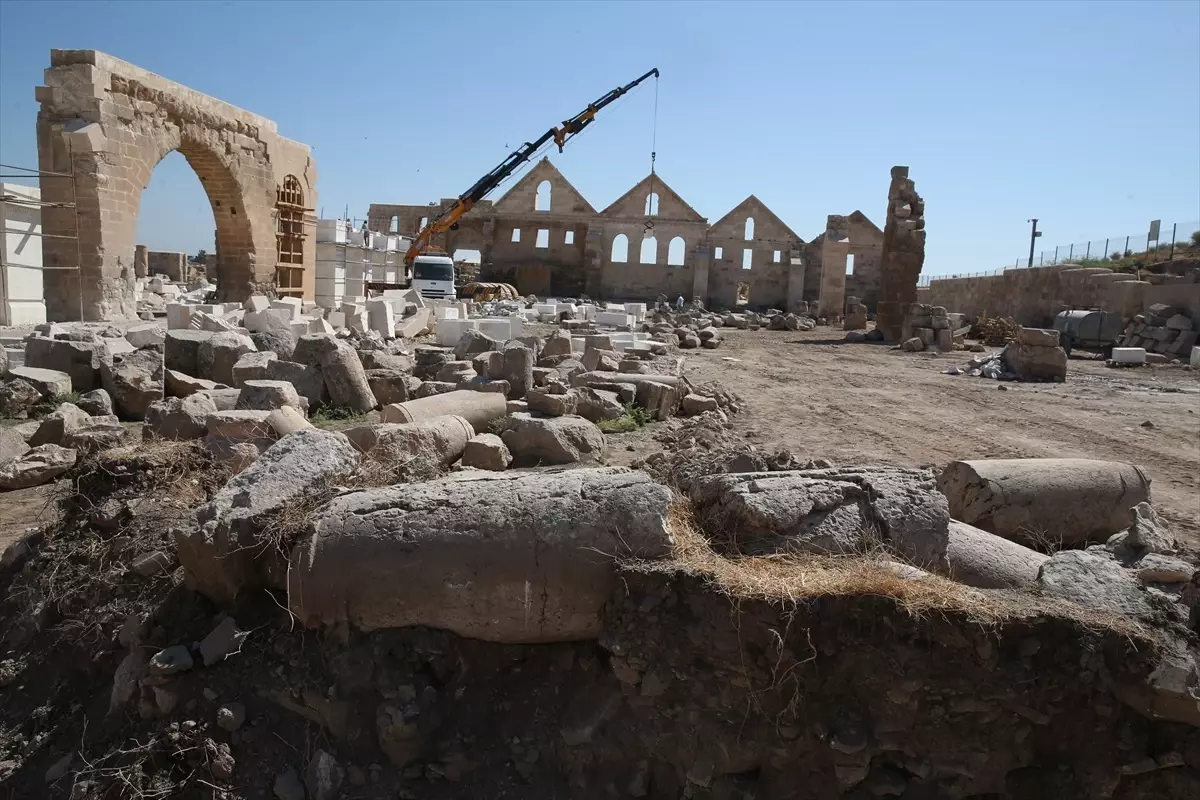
(932, 328)
(240, 390)
(1033, 356)
(1160, 334)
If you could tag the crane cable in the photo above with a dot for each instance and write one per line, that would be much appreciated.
(651, 204)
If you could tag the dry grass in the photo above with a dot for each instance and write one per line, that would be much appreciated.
(794, 578)
(379, 467)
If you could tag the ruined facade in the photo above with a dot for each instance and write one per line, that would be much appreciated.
(547, 239)
(105, 124)
(903, 254)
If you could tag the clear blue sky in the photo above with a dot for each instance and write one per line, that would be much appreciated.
(1086, 115)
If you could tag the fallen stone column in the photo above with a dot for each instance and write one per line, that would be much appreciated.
(503, 557)
(478, 408)
(828, 511)
(440, 440)
(1039, 500)
(987, 561)
(222, 551)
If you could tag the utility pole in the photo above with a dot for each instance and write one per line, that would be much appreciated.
(1033, 235)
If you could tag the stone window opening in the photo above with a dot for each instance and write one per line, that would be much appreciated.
(394, 227)
(776, 257)
(620, 249)
(749, 228)
(743, 293)
(747, 258)
(569, 237)
(719, 253)
(516, 234)
(649, 253)
(652, 204)
(675, 252)
(850, 264)
(541, 201)
(424, 222)
(543, 239)
(289, 237)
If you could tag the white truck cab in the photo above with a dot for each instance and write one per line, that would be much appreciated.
(433, 276)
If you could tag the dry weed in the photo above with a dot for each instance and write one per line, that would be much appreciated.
(379, 467)
(796, 577)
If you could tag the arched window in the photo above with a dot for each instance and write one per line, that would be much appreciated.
(652, 204)
(620, 249)
(749, 228)
(394, 227)
(542, 201)
(289, 237)
(675, 252)
(649, 250)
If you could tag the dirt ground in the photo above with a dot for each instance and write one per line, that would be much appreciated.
(858, 403)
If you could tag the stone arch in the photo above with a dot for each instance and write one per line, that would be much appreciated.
(235, 208)
(106, 124)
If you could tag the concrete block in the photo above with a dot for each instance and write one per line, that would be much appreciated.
(446, 312)
(1129, 355)
(292, 306)
(337, 319)
(613, 319)
(256, 303)
(320, 325)
(449, 331)
(501, 328)
(416, 324)
(179, 316)
(146, 334)
(381, 317)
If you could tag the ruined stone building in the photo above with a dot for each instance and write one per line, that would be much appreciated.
(103, 126)
(547, 239)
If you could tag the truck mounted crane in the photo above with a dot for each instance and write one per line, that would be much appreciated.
(447, 220)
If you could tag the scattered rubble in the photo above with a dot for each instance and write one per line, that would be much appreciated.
(475, 517)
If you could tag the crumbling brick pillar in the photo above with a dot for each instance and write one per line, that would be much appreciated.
(140, 261)
(835, 251)
(903, 254)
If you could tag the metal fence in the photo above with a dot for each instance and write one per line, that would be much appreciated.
(1097, 252)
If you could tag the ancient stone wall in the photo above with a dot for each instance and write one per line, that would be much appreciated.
(1033, 296)
(109, 123)
(172, 264)
(903, 254)
(687, 256)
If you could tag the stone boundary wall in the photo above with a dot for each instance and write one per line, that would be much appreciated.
(1034, 295)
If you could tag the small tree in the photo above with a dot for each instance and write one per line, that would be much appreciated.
(1195, 238)
(1115, 255)
(199, 259)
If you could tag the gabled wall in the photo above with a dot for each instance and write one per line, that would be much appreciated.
(586, 266)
